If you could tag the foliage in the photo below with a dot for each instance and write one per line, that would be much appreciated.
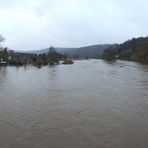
(39, 62)
(135, 49)
(110, 54)
(4, 55)
(53, 56)
(2, 38)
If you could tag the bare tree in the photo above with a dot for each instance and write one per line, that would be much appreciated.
(2, 38)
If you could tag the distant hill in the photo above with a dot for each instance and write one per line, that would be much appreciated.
(94, 51)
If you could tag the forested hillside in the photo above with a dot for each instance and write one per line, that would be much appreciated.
(135, 49)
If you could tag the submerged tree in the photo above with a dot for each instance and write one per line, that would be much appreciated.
(2, 38)
(3, 51)
(110, 54)
(53, 56)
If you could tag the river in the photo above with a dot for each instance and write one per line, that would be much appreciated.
(90, 104)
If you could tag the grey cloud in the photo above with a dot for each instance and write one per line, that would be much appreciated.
(38, 24)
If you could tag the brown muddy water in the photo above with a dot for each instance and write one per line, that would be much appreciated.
(91, 104)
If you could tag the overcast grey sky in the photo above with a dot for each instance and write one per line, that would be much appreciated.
(37, 24)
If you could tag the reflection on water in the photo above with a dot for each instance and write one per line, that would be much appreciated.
(91, 104)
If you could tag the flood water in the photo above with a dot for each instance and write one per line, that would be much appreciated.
(91, 104)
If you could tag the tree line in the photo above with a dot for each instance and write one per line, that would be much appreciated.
(135, 49)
